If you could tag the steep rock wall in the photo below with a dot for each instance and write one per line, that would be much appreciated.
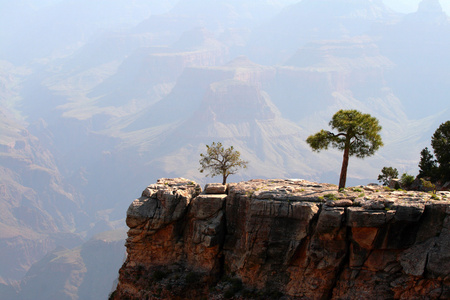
(269, 239)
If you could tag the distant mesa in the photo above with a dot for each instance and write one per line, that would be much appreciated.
(242, 61)
(195, 39)
(430, 7)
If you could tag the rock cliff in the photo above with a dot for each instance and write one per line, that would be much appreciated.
(288, 239)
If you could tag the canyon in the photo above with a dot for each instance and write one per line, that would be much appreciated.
(97, 99)
(289, 239)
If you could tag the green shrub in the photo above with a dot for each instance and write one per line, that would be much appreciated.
(343, 191)
(435, 197)
(407, 180)
(428, 185)
(387, 173)
(330, 196)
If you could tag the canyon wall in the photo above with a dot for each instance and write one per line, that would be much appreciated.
(289, 239)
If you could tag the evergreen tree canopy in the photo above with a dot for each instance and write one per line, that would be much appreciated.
(440, 141)
(427, 164)
(387, 173)
(357, 135)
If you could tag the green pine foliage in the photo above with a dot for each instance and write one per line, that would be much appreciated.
(387, 173)
(357, 135)
(427, 185)
(427, 165)
(407, 180)
(440, 142)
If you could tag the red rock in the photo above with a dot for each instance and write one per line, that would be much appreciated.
(279, 237)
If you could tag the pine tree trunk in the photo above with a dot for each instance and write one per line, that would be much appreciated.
(343, 177)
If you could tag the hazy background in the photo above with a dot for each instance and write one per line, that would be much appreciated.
(100, 98)
(409, 6)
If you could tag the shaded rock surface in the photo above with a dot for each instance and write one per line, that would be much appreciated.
(290, 239)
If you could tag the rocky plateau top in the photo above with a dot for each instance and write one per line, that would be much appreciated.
(285, 239)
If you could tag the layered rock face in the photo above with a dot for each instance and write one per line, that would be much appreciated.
(290, 239)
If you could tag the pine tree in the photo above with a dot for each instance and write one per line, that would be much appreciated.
(357, 135)
(427, 165)
(440, 142)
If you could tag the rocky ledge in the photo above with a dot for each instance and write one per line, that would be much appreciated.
(285, 239)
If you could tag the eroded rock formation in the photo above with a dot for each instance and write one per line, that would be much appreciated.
(289, 239)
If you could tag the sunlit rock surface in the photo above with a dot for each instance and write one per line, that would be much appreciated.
(285, 238)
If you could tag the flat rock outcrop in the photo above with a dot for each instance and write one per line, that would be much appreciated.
(285, 239)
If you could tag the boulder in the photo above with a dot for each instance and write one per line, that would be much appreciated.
(215, 188)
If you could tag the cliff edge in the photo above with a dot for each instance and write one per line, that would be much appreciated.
(285, 239)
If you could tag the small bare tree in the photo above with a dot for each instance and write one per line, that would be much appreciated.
(220, 161)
